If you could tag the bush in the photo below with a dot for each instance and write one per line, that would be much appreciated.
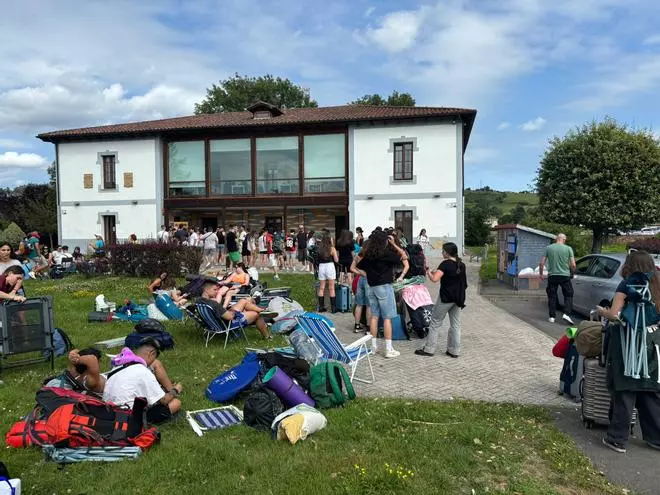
(13, 235)
(151, 259)
(650, 245)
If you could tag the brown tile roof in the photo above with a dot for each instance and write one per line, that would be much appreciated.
(294, 116)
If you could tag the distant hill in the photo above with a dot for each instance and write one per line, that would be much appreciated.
(505, 201)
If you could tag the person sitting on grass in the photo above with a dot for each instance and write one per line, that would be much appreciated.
(83, 373)
(135, 379)
(10, 284)
(234, 283)
(245, 312)
(164, 284)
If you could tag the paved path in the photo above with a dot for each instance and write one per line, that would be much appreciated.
(503, 359)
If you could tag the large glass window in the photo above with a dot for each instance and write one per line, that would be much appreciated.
(186, 168)
(325, 164)
(277, 165)
(231, 168)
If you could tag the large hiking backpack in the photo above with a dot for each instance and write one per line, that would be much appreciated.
(325, 385)
(416, 261)
(71, 419)
(261, 408)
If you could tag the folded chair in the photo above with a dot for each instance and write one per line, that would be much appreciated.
(332, 348)
(204, 315)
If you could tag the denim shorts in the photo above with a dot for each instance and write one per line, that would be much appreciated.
(381, 301)
(362, 293)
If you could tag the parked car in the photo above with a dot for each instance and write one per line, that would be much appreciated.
(596, 278)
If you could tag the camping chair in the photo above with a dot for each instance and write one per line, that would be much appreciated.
(203, 314)
(333, 350)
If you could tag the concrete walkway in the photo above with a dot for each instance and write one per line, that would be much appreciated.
(503, 359)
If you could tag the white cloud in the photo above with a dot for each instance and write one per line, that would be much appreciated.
(503, 125)
(652, 40)
(22, 160)
(398, 30)
(534, 125)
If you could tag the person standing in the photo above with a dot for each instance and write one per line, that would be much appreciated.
(451, 300)
(220, 234)
(163, 235)
(561, 263)
(327, 274)
(423, 240)
(233, 253)
(272, 257)
(262, 246)
(381, 257)
(210, 244)
(290, 249)
(301, 243)
(194, 238)
(345, 248)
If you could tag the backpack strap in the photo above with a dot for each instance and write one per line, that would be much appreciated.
(335, 375)
(118, 369)
(12, 490)
(341, 374)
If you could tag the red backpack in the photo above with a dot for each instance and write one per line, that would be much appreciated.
(72, 419)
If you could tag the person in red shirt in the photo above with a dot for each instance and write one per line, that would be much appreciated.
(10, 283)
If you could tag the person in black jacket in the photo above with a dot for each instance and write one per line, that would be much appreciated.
(453, 283)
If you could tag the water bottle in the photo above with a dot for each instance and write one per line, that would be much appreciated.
(304, 347)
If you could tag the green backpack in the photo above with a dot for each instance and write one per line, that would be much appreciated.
(325, 385)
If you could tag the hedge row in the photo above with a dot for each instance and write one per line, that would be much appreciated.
(151, 259)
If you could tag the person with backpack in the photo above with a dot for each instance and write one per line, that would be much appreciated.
(381, 257)
(134, 379)
(640, 274)
(451, 300)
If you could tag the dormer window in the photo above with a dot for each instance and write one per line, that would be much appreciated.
(264, 110)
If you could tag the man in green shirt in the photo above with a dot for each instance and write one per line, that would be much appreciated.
(561, 263)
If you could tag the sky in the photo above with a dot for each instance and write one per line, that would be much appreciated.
(533, 69)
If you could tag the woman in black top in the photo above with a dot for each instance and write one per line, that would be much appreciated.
(453, 283)
(327, 275)
(345, 249)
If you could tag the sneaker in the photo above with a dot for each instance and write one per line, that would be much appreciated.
(616, 447)
(551, 319)
(455, 356)
(653, 445)
(568, 319)
(392, 353)
(276, 277)
(422, 352)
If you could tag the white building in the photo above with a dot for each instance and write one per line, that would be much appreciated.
(335, 167)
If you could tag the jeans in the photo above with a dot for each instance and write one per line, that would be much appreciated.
(441, 310)
(648, 412)
(381, 301)
(362, 293)
(554, 282)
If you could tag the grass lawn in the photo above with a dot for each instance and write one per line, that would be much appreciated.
(371, 446)
(488, 269)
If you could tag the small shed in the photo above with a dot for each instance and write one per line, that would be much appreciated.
(519, 250)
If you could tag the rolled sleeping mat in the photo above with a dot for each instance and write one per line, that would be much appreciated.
(286, 389)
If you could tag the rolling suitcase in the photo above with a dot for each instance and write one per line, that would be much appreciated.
(344, 298)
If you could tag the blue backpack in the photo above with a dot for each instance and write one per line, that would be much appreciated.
(61, 342)
(229, 384)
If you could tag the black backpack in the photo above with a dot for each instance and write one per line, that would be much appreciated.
(149, 325)
(296, 368)
(262, 407)
(416, 261)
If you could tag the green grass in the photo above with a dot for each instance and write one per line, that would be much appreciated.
(488, 269)
(506, 205)
(370, 446)
(614, 248)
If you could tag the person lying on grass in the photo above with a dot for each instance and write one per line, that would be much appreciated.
(164, 284)
(142, 375)
(234, 283)
(10, 283)
(245, 312)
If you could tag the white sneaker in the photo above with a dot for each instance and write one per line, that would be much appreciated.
(392, 353)
(568, 319)
(276, 277)
(551, 319)
(374, 350)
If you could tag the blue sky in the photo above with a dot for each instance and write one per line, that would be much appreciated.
(532, 68)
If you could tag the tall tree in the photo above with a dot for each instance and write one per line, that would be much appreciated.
(396, 99)
(237, 93)
(52, 176)
(39, 212)
(602, 176)
(477, 229)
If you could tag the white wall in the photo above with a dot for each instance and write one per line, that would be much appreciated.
(142, 157)
(434, 163)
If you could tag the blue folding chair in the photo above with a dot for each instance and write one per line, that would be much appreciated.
(333, 350)
(211, 325)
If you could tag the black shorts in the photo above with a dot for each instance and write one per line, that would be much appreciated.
(263, 252)
(345, 265)
(302, 255)
(158, 413)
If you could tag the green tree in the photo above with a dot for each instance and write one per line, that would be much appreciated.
(396, 99)
(477, 229)
(13, 235)
(52, 178)
(40, 213)
(237, 93)
(518, 213)
(602, 176)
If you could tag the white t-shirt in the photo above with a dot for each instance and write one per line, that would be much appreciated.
(211, 241)
(192, 240)
(262, 243)
(57, 257)
(7, 264)
(134, 381)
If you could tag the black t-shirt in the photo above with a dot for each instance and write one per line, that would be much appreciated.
(181, 234)
(231, 242)
(221, 238)
(345, 253)
(453, 282)
(302, 240)
(380, 271)
(218, 308)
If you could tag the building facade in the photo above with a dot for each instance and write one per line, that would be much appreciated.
(332, 167)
